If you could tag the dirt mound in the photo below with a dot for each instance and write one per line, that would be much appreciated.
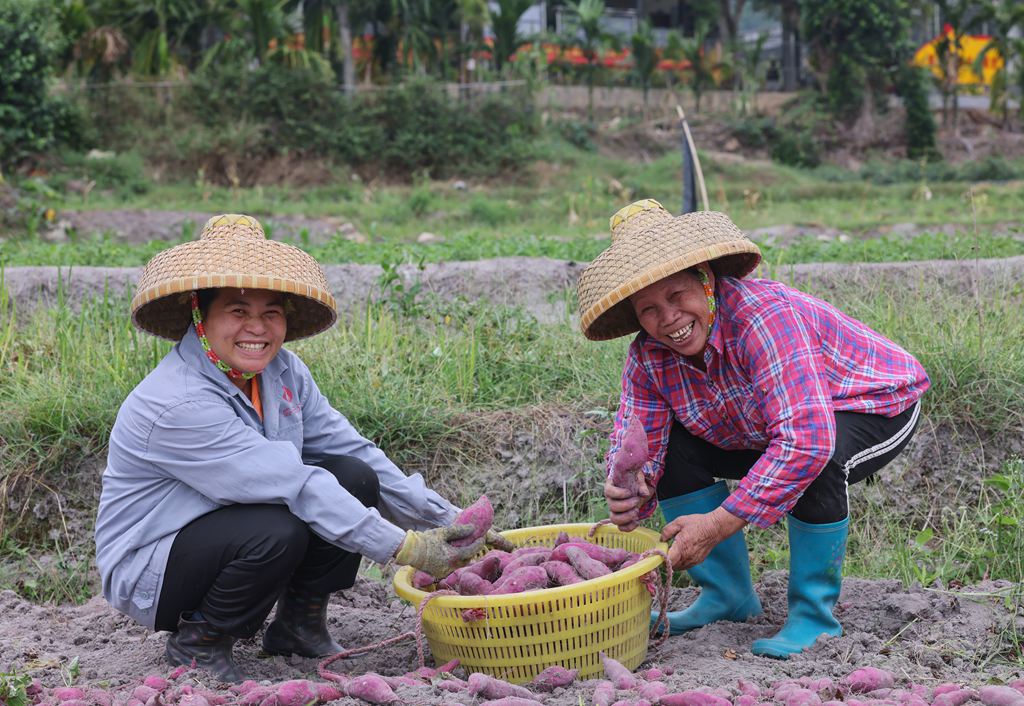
(924, 636)
(539, 285)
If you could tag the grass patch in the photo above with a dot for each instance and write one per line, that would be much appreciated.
(559, 207)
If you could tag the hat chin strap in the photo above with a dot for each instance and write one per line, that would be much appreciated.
(197, 319)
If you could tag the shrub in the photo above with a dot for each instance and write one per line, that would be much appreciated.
(796, 148)
(31, 121)
(920, 125)
(415, 127)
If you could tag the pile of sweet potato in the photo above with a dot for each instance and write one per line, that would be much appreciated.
(569, 561)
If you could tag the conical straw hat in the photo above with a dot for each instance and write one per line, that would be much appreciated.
(232, 251)
(649, 244)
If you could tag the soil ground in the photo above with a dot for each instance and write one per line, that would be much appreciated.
(923, 636)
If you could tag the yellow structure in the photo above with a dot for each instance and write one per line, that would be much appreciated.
(970, 46)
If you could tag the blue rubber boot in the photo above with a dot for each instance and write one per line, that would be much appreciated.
(726, 591)
(816, 555)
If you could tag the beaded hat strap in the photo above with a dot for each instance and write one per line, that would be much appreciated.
(709, 293)
(197, 319)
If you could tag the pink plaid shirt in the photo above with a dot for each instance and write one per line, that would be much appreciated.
(780, 363)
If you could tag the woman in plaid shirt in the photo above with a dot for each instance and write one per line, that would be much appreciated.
(743, 379)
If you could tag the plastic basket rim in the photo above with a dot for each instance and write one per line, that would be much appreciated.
(403, 578)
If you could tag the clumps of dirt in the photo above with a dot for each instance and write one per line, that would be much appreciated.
(920, 635)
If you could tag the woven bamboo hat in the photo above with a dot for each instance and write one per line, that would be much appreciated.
(649, 244)
(232, 251)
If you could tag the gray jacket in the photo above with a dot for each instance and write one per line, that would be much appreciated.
(187, 441)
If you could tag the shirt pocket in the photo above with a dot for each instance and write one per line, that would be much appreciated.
(144, 594)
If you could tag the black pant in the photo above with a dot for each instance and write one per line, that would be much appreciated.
(864, 444)
(233, 563)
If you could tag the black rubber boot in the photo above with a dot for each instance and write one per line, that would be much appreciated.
(300, 627)
(198, 641)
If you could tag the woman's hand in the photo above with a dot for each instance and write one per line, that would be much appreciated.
(624, 506)
(432, 550)
(694, 536)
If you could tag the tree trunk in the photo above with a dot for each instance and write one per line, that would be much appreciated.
(790, 21)
(728, 26)
(348, 64)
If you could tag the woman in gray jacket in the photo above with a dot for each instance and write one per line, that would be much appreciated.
(231, 482)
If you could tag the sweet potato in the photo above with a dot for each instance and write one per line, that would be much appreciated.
(800, 697)
(1018, 684)
(612, 558)
(67, 693)
(526, 578)
(868, 679)
(653, 674)
(371, 688)
(585, 566)
(490, 687)
(693, 698)
(529, 549)
(531, 559)
(630, 457)
(561, 538)
(945, 688)
(448, 667)
(652, 691)
(632, 702)
(512, 701)
(604, 693)
(298, 692)
(480, 515)
(617, 673)
(1000, 696)
(452, 685)
(748, 688)
(953, 698)
(745, 700)
(554, 677)
(561, 573)
(421, 579)
(473, 585)
(488, 568)
(471, 615)
(159, 683)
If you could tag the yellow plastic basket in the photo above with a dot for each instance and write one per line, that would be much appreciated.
(524, 633)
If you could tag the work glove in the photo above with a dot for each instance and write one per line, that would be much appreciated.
(431, 550)
(494, 540)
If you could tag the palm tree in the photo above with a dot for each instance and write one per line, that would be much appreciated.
(505, 26)
(645, 58)
(702, 66)
(586, 31)
(960, 18)
(1003, 19)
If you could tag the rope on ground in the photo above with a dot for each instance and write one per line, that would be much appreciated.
(416, 635)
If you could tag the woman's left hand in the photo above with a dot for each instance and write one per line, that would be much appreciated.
(696, 535)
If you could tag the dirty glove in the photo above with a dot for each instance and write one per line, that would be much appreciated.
(494, 540)
(431, 550)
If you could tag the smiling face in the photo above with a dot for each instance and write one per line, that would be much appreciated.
(675, 311)
(246, 327)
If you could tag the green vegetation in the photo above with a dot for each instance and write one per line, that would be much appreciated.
(560, 209)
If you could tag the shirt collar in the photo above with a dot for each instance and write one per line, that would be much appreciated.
(191, 351)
